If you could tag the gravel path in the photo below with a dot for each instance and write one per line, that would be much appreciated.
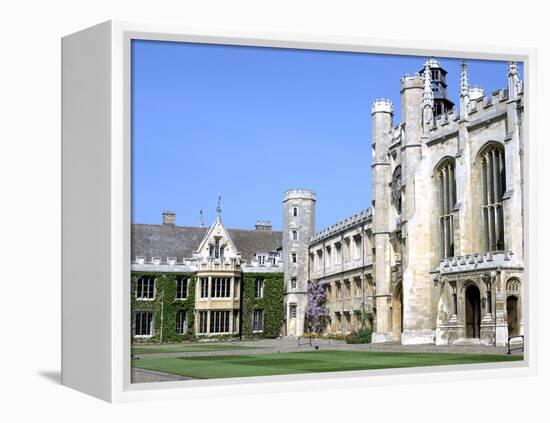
(146, 376)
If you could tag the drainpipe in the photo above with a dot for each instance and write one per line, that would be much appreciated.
(161, 314)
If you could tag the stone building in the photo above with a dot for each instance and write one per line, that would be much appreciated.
(438, 258)
(197, 281)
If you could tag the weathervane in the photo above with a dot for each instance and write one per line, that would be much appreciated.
(201, 219)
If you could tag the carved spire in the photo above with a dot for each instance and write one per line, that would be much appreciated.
(513, 80)
(464, 83)
(428, 96)
(464, 89)
(219, 208)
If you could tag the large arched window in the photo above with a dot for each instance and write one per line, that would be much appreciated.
(493, 181)
(447, 201)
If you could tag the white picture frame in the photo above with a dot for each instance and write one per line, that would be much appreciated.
(96, 213)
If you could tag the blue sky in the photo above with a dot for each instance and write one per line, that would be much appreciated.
(252, 122)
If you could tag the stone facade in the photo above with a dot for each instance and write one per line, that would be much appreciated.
(216, 263)
(439, 256)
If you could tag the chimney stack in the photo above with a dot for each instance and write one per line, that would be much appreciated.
(263, 226)
(168, 218)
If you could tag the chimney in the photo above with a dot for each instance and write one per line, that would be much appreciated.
(263, 226)
(168, 218)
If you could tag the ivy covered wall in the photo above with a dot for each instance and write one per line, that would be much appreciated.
(271, 303)
(165, 306)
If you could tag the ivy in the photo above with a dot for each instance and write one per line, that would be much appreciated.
(165, 306)
(271, 304)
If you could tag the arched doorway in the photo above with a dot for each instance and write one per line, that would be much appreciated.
(512, 313)
(472, 312)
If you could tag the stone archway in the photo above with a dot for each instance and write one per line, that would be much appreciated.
(512, 315)
(472, 312)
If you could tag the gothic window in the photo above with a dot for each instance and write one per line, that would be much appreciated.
(181, 322)
(219, 321)
(220, 288)
(204, 287)
(203, 321)
(259, 288)
(293, 311)
(258, 321)
(181, 288)
(447, 200)
(145, 288)
(493, 181)
(142, 323)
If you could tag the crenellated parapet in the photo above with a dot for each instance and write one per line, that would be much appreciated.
(382, 105)
(363, 217)
(302, 193)
(411, 81)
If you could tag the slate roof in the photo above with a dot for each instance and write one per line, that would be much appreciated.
(181, 241)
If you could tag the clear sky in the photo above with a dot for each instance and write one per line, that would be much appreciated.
(251, 122)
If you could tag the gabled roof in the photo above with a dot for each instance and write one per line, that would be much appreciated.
(182, 241)
(218, 224)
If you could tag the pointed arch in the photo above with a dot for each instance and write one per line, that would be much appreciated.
(445, 180)
(491, 166)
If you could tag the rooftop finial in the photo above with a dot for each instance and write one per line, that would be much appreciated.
(464, 89)
(219, 208)
(201, 222)
(428, 96)
(464, 83)
(513, 79)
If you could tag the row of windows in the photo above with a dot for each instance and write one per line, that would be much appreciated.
(145, 288)
(493, 186)
(143, 323)
(334, 254)
(219, 322)
(220, 287)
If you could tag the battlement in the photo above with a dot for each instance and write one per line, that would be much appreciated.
(412, 81)
(477, 108)
(486, 102)
(363, 216)
(382, 105)
(302, 193)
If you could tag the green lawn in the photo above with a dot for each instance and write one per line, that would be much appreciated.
(209, 367)
(173, 348)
